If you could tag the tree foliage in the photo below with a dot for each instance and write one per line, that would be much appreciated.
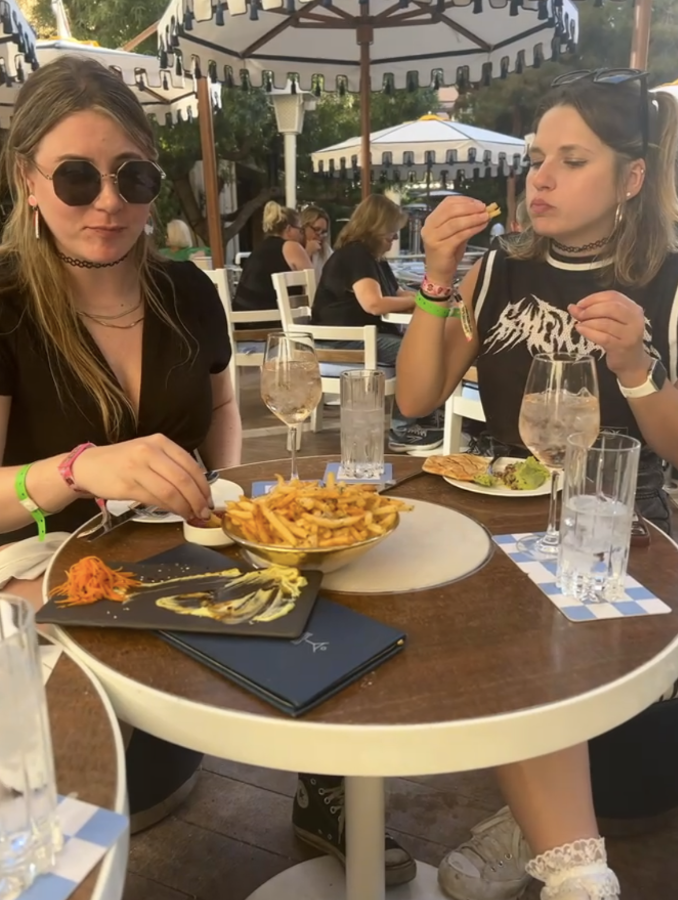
(509, 105)
(110, 23)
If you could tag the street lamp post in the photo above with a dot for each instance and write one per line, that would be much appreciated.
(290, 104)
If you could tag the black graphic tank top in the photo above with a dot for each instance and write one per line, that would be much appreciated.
(521, 310)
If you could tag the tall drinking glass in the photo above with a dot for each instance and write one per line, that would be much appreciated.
(598, 499)
(290, 382)
(560, 399)
(362, 423)
(30, 836)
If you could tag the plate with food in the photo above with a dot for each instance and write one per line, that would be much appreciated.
(187, 588)
(222, 492)
(507, 476)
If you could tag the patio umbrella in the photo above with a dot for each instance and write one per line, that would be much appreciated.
(17, 47)
(432, 145)
(357, 45)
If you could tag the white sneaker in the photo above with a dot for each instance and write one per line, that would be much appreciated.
(491, 866)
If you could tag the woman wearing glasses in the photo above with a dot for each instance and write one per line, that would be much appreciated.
(595, 271)
(316, 225)
(281, 250)
(113, 362)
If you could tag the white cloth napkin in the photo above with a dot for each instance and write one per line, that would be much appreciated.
(29, 559)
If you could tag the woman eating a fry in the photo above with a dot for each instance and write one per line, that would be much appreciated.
(594, 272)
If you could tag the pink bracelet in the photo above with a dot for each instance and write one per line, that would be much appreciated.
(65, 467)
(435, 291)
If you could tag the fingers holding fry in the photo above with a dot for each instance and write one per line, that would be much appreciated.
(309, 515)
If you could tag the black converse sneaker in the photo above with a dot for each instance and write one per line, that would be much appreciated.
(415, 438)
(318, 819)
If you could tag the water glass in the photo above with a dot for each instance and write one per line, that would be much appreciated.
(362, 423)
(30, 836)
(595, 525)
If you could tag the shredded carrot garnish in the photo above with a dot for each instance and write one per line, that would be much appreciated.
(90, 580)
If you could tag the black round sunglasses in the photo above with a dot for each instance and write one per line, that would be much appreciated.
(78, 182)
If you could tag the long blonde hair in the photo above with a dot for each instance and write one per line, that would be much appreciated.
(645, 232)
(372, 219)
(55, 91)
(277, 218)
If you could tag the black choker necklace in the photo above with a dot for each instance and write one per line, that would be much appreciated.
(86, 264)
(594, 245)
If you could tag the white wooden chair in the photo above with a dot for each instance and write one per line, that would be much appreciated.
(248, 344)
(333, 362)
(283, 281)
(463, 403)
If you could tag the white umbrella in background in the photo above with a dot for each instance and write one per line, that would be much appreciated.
(426, 148)
(362, 44)
(17, 55)
(161, 92)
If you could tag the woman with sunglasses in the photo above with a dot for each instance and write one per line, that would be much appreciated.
(316, 225)
(281, 250)
(113, 361)
(595, 271)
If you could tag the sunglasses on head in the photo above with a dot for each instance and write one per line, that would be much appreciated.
(614, 77)
(78, 182)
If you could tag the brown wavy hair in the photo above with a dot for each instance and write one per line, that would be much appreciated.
(55, 91)
(372, 219)
(646, 233)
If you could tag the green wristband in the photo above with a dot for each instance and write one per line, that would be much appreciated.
(28, 504)
(433, 307)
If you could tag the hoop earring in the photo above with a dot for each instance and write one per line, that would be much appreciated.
(33, 203)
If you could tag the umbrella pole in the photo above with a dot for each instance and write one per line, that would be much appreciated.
(365, 35)
(209, 173)
(640, 47)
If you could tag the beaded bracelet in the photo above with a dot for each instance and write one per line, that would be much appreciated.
(435, 291)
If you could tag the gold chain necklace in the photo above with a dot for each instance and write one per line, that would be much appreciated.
(97, 317)
(121, 327)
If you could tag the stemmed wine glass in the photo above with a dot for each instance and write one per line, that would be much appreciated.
(560, 399)
(290, 382)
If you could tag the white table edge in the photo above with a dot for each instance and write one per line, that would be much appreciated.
(405, 750)
(113, 871)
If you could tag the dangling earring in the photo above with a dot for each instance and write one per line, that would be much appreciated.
(33, 203)
(618, 216)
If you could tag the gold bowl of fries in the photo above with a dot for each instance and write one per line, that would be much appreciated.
(307, 525)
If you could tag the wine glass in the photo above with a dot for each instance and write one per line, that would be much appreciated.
(290, 382)
(560, 399)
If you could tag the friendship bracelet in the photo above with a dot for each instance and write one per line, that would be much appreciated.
(435, 291)
(457, 310)
(28, 504)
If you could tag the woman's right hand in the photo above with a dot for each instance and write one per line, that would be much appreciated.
(313, 247)
(150, 470)
(445, 234)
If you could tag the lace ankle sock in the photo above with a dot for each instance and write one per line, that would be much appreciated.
(576, 871)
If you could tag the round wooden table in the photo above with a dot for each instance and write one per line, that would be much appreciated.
(492, 673)
(90, 762)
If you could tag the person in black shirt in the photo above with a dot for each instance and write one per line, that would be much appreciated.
(281, 250)
(113, 361)
(595, 272)
(358, 287)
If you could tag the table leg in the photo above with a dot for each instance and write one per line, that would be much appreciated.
(365, 839)
(323, 879)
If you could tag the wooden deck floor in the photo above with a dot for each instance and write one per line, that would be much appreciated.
(234, 832)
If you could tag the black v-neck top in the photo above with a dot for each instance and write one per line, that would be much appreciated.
(176, 394)
(521, 310)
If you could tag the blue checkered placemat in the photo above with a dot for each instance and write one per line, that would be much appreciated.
(89, 832)
(638, 601)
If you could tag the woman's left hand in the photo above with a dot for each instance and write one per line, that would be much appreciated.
(617, 324)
